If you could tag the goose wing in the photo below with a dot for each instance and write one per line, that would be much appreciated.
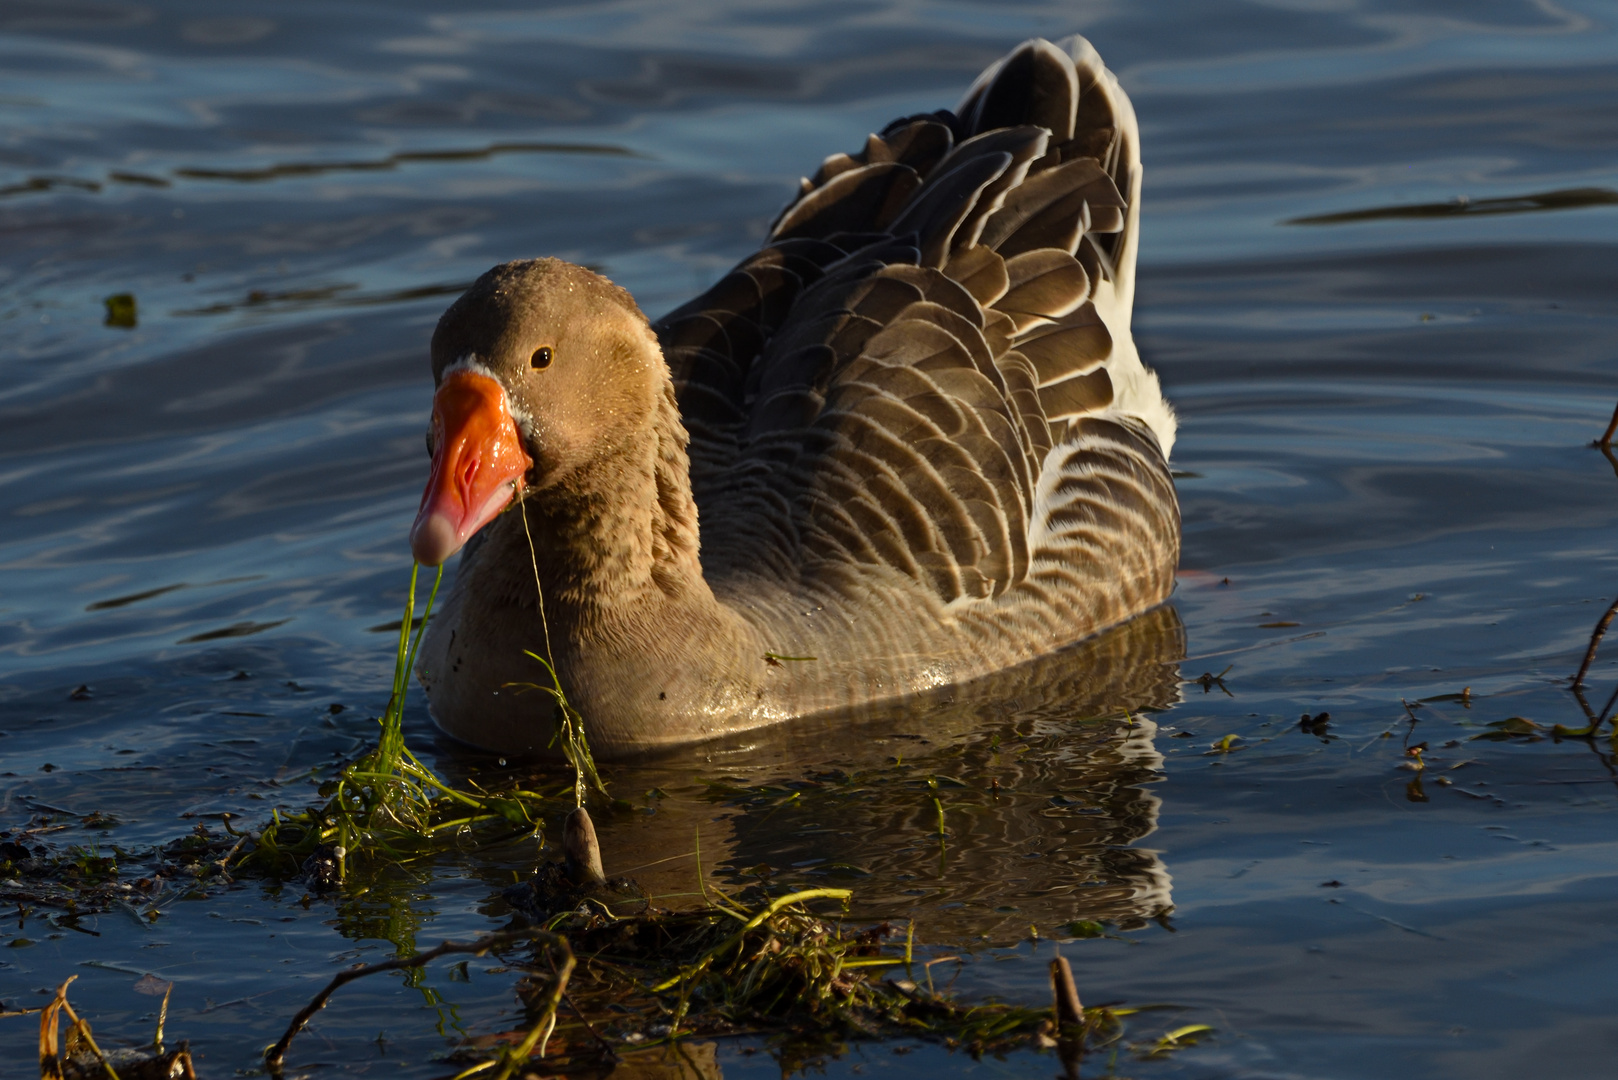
(930, 357)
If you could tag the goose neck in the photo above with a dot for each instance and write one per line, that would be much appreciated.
(620, 537)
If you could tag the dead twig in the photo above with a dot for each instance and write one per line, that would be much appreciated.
(231, 854)
(275, 1055)
(50, 1062)
(1410, 711)
(162, 1018)
(510, 1060)
(581, 850)
(1595, 640)
(1605, 442)
(1606, 710)
(1067, 1010)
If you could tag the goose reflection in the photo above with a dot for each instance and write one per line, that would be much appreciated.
(1013, 801)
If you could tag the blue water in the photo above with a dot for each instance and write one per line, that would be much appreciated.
(1384, 437)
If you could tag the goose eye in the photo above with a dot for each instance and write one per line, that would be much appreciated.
(541, 357)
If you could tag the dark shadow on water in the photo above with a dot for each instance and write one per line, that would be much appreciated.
(133, 598)
(403, 157)
(38, 185)
(1565, 199)
(241, 629)
(324, 296)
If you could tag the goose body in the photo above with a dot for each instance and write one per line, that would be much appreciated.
(907, 443)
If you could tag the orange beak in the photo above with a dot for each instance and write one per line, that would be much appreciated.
(478, 465)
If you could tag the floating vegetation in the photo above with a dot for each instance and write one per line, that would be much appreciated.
(776, 659)
(1208, 680)
(37, 184)
(81, 882)
(1317, 725)
(741, 965)
(1178, 1039)
(1512, 727)
(78, 1057)
(510, 1058)
(387, 802)
(120, 310)
(235, 630)
(607, 975)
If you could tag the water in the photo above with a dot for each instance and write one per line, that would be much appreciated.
(1385, 429)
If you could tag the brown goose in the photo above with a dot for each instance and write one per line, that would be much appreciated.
(906, 443)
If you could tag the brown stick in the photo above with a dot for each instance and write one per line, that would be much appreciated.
(50, 1057)
(1595, 639)
(162, 1018)
(275, 1055)
(1605, 442)
(1067, 1008)
(581, 850)
(541, 1032)
(81, 1027)
(1068, 1012)
(1606, 710)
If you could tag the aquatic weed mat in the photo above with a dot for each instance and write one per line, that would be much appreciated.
(387, 804)
(612, 974)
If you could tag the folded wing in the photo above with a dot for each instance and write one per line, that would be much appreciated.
(928, 366)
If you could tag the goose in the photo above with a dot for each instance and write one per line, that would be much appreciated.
(907, 443)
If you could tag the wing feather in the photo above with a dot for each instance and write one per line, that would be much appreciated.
(928, 366)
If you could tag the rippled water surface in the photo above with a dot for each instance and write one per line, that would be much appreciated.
(1387, 487)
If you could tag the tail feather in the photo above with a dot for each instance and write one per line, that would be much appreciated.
(1072, 182)
(1036, 84)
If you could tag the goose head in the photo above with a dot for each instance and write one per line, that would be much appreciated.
(543, 370)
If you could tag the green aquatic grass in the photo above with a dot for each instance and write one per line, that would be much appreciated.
(569, 732)
(787, 968)
(388, 803)
(569, 724)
